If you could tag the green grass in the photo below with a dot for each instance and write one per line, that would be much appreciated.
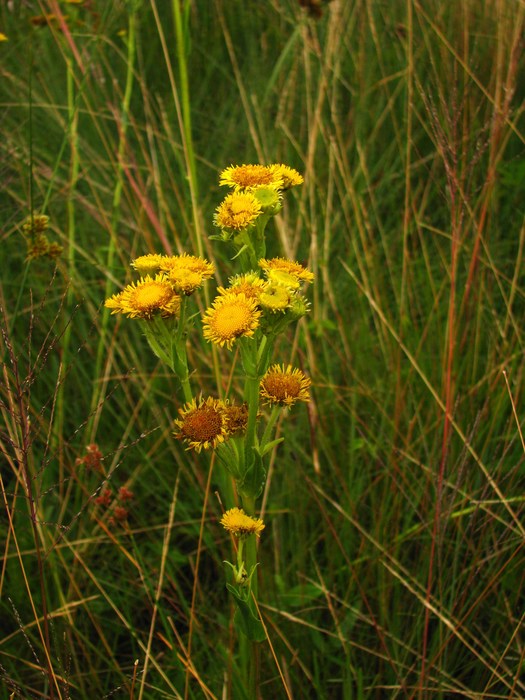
(392, 561)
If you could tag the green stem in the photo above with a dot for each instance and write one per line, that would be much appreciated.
(251, 396)
(276, 410)
(179, 355)
(248, 504)
(249, 650)
(181, 18)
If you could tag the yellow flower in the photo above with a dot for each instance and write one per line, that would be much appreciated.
(187, 272)
(293, 268)
(236, 418)
(275, 298)
(238, 211)
(185, 281)
(239, 524)
(284, 386)
(285, 279)
(250, 284)
(3, 37)
(202, 423)
(249, 177)
(147, 264)
(145, 298)
(230, 317)
(289, 176)
(188, 262)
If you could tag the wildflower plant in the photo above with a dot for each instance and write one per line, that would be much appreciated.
(263, 297)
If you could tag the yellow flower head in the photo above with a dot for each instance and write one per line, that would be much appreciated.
(236, 418)
(238, 211)
(284, 386)
(294, 269)
(147, 264)
(186, 272)
(188, 262)
(230, 317)
(283, 278)
(202, 423)
(250, 284)
(146, 298)
(185, 281)
(249, 177)
(289, 176)
(239, 524)
(275, 297)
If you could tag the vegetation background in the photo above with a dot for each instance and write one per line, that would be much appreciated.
(392, 561)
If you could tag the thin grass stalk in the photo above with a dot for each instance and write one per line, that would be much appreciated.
(196, 579)
(456, 217)
(439, 402)
(160, 583)
(117, 193)
(182, 38)
(58, 426)
(30, 176)
(181, 20)
(23, 458)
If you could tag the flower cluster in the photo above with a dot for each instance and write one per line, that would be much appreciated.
(257, 190)
(174, 275)
(92, 459)
(205, 423)
(251, 301)
(258, 304)
(35, 229)
(116, 506)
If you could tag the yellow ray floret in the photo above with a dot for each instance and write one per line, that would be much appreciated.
(239, 524)
(230, 317)
(289, 176)
(186, 272)
(238, 211)
(250, 177)
(249, 284)
(275, 297)
(146, 298)
(192, 263)
(236, 418)
(284, 386)
(202, 423)
(147, 264)
(291, 267)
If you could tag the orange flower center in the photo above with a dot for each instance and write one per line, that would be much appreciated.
(253, 175)
(282, 386)
(202, 425)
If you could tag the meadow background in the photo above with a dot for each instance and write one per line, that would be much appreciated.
(392, 561)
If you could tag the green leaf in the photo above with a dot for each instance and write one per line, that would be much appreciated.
(246, 616)
(252, 483)
(264, 449)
